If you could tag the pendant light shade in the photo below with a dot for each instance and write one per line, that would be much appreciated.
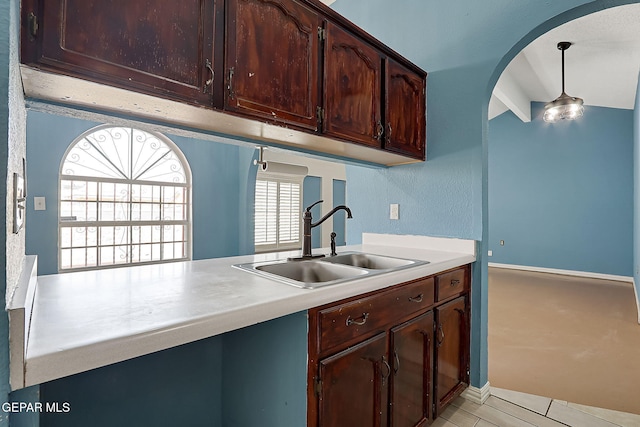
(564, 107)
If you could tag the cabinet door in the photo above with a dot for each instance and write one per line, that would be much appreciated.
(412, 357)
(354, 386)
(272, 61)
(153, 46)
(452, 351)
(352, 88)
(405, 111)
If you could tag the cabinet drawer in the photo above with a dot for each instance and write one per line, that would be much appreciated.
(345, 322)
(451, 283)
(413, 296)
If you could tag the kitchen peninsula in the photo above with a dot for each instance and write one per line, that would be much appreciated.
(85, 320)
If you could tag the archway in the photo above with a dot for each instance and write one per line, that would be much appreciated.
(539, 31)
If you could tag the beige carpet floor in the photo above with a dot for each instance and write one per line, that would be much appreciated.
(566, 338)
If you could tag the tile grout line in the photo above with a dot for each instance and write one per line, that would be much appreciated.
(503, 412)
(589, 414)
(527, 409)
(546, 413)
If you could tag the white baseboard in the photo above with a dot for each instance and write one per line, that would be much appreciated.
(587, 274)
(477, 395)
(635, 292)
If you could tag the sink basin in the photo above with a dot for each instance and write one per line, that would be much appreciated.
(304, 274)
(370, 261)
(311, 274)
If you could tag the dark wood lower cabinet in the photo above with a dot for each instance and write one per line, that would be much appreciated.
(411, 344)
(391, 358)
(352, 385)
(452, 359)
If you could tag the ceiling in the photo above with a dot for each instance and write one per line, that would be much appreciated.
(601, 66)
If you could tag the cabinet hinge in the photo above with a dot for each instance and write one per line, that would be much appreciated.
(33, 25)
(230, 84)
(318, 386)
(322, 33)
(320, 115)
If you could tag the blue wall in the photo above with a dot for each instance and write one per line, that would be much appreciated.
(265, 374)
(340, 221)
(561, 195)
(636, 196)
(311, 193)
(175, 387)
(465, 46)
(219, 195)
(180, 386)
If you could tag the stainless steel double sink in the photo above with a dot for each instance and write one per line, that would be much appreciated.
(318, 272)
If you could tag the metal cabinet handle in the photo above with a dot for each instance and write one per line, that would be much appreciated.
(441, 337)
(211, 74)
(454, 282)
(385, 376)
(379, 131)
(389, 130)
(416, 299)
(396, 366)
(364, 318)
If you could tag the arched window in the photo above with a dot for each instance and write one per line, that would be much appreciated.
(125, 198)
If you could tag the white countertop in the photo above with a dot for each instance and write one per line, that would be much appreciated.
(84, 320)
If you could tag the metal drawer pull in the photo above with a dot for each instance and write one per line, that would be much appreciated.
(364, 318)
(416, 299)
(455, 282)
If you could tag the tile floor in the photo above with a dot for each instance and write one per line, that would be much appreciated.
(506, 408)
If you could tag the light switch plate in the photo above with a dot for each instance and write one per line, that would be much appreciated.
(394, 211)
(39, 204)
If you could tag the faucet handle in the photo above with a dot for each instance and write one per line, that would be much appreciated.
(333, 243)
(309, 208)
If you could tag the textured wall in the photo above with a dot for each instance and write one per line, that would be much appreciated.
(465, 46)
(561, 195)
(636, 196)
(179, 386)
(216, 195)
(12, 150)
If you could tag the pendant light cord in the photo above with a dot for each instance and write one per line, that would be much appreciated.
(563, 70)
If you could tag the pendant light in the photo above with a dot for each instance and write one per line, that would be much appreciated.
(564, 107)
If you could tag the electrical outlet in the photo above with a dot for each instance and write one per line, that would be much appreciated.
(39, 204)
(501, 242)
(490, 253)
(394, 211)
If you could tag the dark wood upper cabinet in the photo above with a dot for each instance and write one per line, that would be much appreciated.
(150, 46)
(412, 361)
(452, 351)
(352, 385)
(293, 63)
(352, 88)
(405, 126)
(273, 61)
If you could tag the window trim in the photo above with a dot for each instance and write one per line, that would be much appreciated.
(187, 222)
(280, 178)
